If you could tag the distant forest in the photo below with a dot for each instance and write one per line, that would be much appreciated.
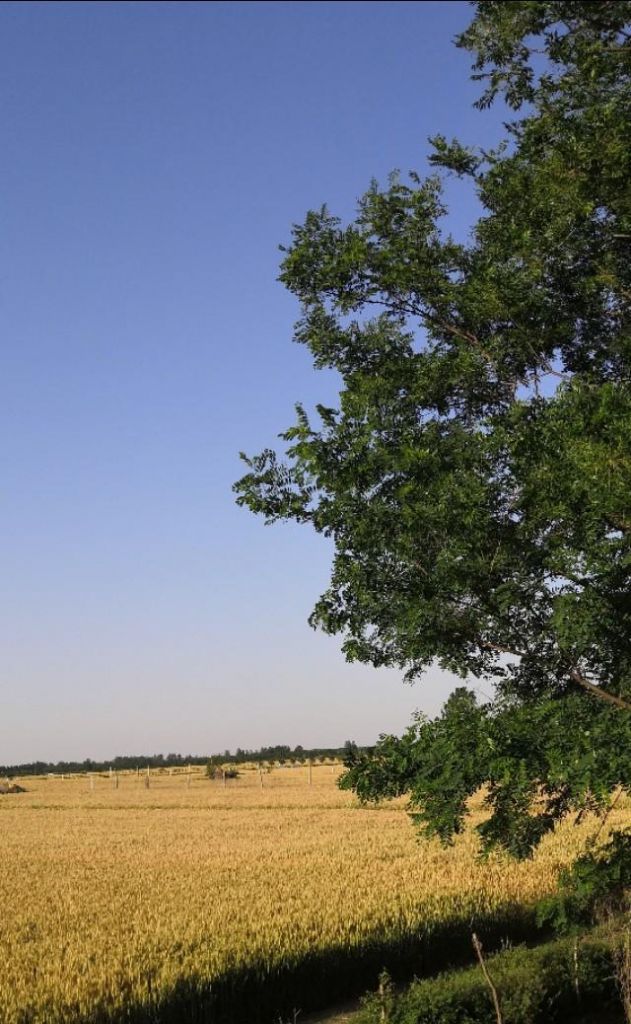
(280, 753)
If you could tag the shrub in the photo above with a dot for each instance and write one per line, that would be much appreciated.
(552, 982)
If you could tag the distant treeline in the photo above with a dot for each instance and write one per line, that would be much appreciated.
(280, 753)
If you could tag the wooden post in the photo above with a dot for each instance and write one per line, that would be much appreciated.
(260, 775)
(115, 780)
(577, 987)
(188, 781)
(310, 772)
(148, 778)
(384, 993)
(223, 772)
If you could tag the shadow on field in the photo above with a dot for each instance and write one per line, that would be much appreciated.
(267, 995)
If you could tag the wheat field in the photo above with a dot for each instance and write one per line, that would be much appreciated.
(193, 900)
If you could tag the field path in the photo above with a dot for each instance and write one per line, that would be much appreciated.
(342, 1014)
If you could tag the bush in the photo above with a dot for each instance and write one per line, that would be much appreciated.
(217, 771)
(553, 982)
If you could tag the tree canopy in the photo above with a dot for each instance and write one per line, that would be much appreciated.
(475, 476)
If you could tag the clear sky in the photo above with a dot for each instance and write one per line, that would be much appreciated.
(154, 156)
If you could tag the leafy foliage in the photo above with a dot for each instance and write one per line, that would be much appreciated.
(536, 986)
(596, 886)
(476, 475)
(539, 760)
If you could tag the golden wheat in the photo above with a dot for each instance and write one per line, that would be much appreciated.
(114, 897)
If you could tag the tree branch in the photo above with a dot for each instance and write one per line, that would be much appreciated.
(596, 691)
(575, 675)
(477, 945)
(499, 649)
(619, 523)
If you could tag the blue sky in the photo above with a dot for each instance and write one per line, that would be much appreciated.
(155, 155)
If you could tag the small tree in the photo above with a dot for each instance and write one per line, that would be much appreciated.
(216, 769)
(213, 768)
(475, 476)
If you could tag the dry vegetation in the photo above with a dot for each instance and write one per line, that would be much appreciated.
(195, 901)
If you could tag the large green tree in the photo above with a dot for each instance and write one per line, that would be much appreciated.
(475, 476)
